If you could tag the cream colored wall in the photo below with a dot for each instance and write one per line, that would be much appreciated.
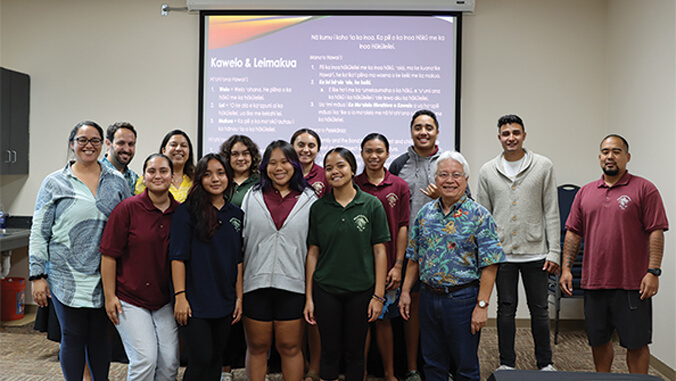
(556, 63)
(100, 60)
(642, 108)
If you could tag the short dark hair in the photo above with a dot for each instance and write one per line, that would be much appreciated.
(255, 153)
(624, 141)
(378, 136)
(298, 182)
(511, 119)
(189, 167)
(154, 155)
(345, 154)
(112, 129)
(307, 131)
(429, 113)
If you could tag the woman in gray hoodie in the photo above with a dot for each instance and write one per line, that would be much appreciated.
(276, 224)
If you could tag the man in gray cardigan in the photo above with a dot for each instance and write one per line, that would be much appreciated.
(518, 187)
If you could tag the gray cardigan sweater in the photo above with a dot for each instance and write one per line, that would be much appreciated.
(525, 209)
(275, 258)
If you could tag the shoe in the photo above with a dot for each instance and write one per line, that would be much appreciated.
(450, 377)
(226, 376)
(413, 375)
(268, 378)
(505, 367)
(548, 368)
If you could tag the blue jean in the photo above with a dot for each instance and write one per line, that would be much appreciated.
(535, 284)
(151, 342)
(446, 337)
(84, 332)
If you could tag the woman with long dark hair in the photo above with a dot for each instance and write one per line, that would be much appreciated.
(71, 211)
(345, 268)
(394, 195)
(206, 262)
(176, 146)
(276, 217)
(136, 275)
(307, 144)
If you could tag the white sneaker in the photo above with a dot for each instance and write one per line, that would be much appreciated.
(226, 376)
(548, 368)
(506, 367)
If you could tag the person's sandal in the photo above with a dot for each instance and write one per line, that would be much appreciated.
(311, 375)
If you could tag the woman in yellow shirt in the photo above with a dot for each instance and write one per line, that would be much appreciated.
(177, 146)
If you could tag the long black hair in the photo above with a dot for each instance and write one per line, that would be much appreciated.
(297, 182)
(199, 205)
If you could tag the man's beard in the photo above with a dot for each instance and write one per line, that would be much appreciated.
(611, 172)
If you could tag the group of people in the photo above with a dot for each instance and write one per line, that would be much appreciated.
(302, 253)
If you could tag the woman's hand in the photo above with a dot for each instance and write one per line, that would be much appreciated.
(375, 308)
(237, 313)
(309, 312)
(182, 309)
(113, 307)
(393, 278)
(41, 293)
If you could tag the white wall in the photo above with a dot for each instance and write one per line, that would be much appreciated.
(574, 70)
(642, 108)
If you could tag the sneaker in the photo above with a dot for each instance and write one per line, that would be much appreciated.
(226, 376)
(548, 368)
(450, 377)
(413, 375)
(268, 378)
(505, 367)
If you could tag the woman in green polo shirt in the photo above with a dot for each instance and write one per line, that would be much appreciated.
(345, 268)
(244, 157)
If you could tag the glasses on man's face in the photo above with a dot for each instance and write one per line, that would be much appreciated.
(82, 141)
(446, 175)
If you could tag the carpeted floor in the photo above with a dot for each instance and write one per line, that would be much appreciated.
(26, 355)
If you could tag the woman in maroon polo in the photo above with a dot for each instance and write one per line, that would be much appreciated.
(136, 275)
(394, 194)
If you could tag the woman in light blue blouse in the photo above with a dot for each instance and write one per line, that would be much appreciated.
(71, 210)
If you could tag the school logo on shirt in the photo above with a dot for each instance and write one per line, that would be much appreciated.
(392, 199)
(236, 223)
(624, 201)
(319, 187)
(361, 221)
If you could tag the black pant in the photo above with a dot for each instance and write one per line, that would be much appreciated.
(205, 341)
(343, 323)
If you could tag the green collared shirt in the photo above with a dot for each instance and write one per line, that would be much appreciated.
(240, 189)
(345, 236)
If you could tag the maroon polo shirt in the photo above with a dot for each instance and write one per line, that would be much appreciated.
(616, 223)
(278, 206)
(137, 234)
(394, 194)
(317, 180)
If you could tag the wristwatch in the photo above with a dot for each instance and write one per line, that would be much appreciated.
(655, 272)
(482, 303)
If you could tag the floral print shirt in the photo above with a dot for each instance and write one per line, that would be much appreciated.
(452, 249)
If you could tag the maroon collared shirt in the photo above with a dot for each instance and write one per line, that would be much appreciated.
(317, 180)
(278, 206)
(137, 235)
(395, 196)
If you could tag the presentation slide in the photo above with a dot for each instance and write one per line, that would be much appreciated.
(344, 76)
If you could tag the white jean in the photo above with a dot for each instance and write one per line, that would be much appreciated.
(150, 340)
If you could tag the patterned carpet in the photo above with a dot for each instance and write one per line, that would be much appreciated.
(26, 355)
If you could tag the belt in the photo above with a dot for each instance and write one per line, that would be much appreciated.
(447, 290)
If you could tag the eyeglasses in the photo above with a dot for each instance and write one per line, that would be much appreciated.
(82, 141)
(454, 175)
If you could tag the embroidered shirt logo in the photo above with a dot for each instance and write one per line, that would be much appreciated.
(319, 187)
(361, 221)
(392, 199)
(236, 223)
(624, 201)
